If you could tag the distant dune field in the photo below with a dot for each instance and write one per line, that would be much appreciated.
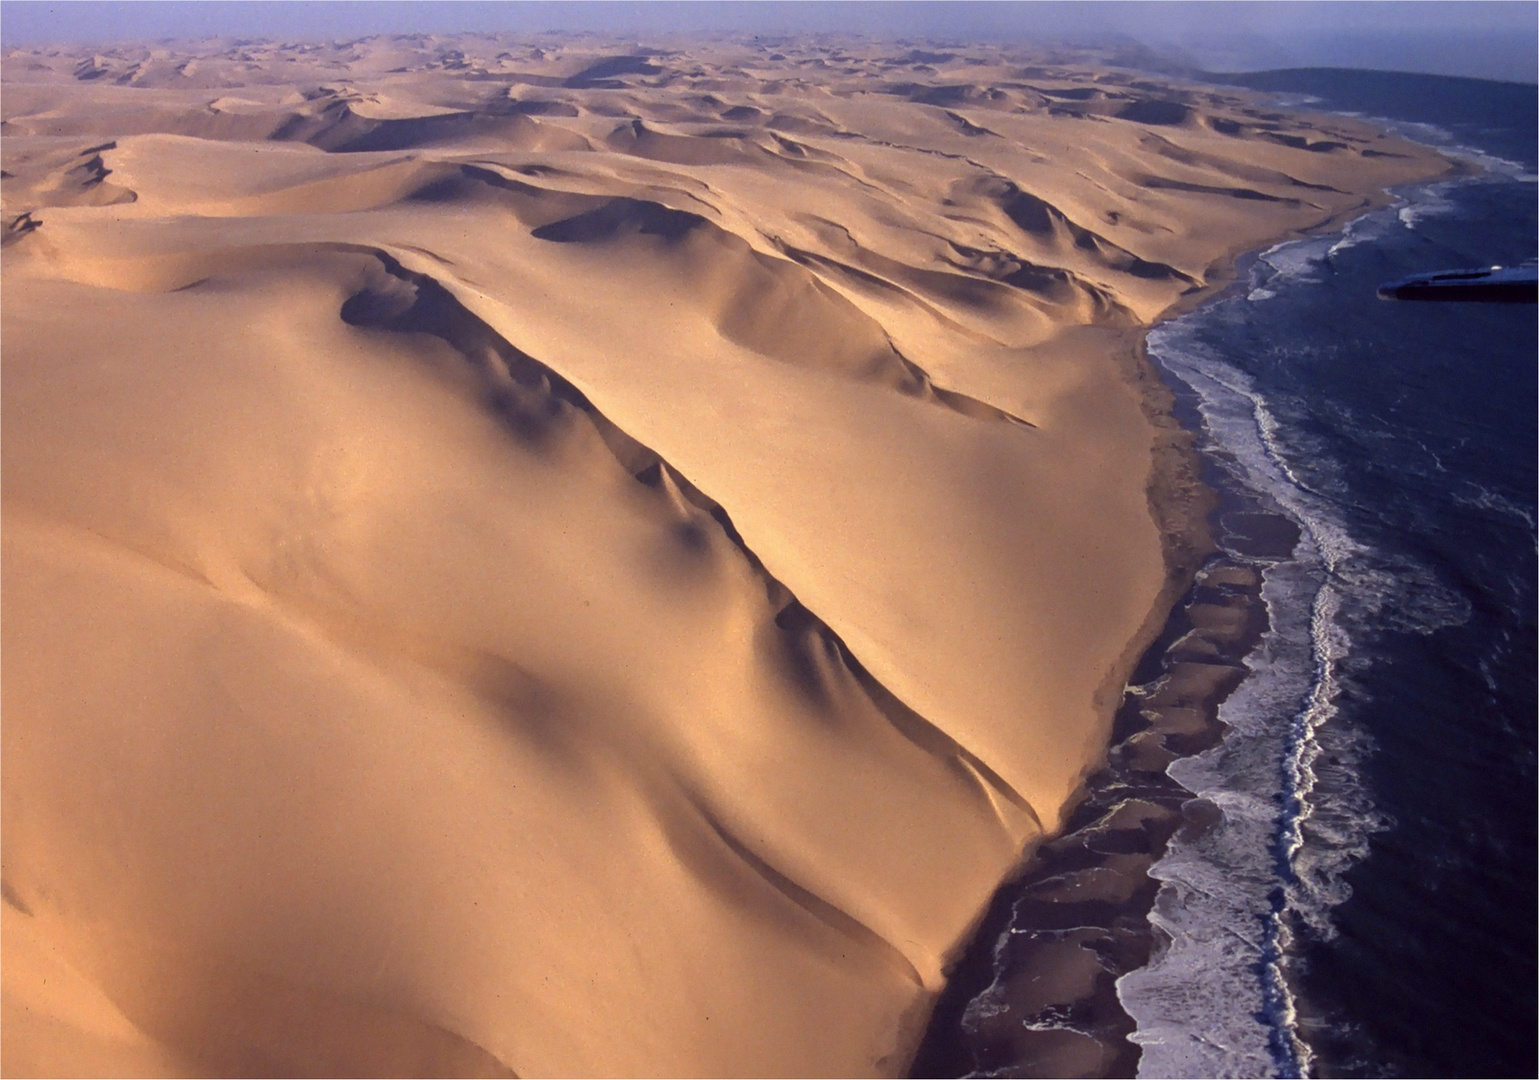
(557, 558)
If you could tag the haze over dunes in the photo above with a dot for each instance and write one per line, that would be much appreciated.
(558, 557)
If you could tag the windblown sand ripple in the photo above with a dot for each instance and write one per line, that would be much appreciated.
(563, 558)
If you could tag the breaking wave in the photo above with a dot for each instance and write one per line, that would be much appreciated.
(1295, 811)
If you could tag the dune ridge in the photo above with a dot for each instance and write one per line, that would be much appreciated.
(558, 556)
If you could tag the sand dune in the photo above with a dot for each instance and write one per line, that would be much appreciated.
(558, 558)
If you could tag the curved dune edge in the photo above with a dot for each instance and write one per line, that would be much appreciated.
(553, 558)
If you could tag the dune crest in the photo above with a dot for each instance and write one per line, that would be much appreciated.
(554, 557)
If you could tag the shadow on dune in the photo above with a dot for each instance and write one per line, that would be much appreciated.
(536, 403)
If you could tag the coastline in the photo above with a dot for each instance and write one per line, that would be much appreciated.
(1329, 749)
(1034, 993)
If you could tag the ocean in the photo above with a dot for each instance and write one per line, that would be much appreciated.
(1367, 905)
(1344, 859)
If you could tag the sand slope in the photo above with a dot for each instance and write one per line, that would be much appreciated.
(564, 558)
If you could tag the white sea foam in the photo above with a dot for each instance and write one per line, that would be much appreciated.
(1286, 777)
(1301, 260)
(1478, 497)
(1312, 259)
(1366, 229)
(1221, 903)
(1433, 203)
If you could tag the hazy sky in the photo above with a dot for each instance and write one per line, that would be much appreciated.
(1497, 39)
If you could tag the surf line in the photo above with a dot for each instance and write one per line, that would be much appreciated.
(1240, 439)
(1290, 1053)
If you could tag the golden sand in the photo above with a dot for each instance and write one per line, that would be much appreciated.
(557, 558)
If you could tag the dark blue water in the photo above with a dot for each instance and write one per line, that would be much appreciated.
(1368, 907)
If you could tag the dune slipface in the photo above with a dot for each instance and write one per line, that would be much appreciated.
(560, 558)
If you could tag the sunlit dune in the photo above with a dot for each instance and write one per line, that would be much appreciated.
(562, 559)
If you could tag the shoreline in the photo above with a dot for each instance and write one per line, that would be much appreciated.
(1043, 1000)
(1034, 991)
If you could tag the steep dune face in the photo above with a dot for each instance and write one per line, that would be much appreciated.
(530, 558)
(631, 681)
